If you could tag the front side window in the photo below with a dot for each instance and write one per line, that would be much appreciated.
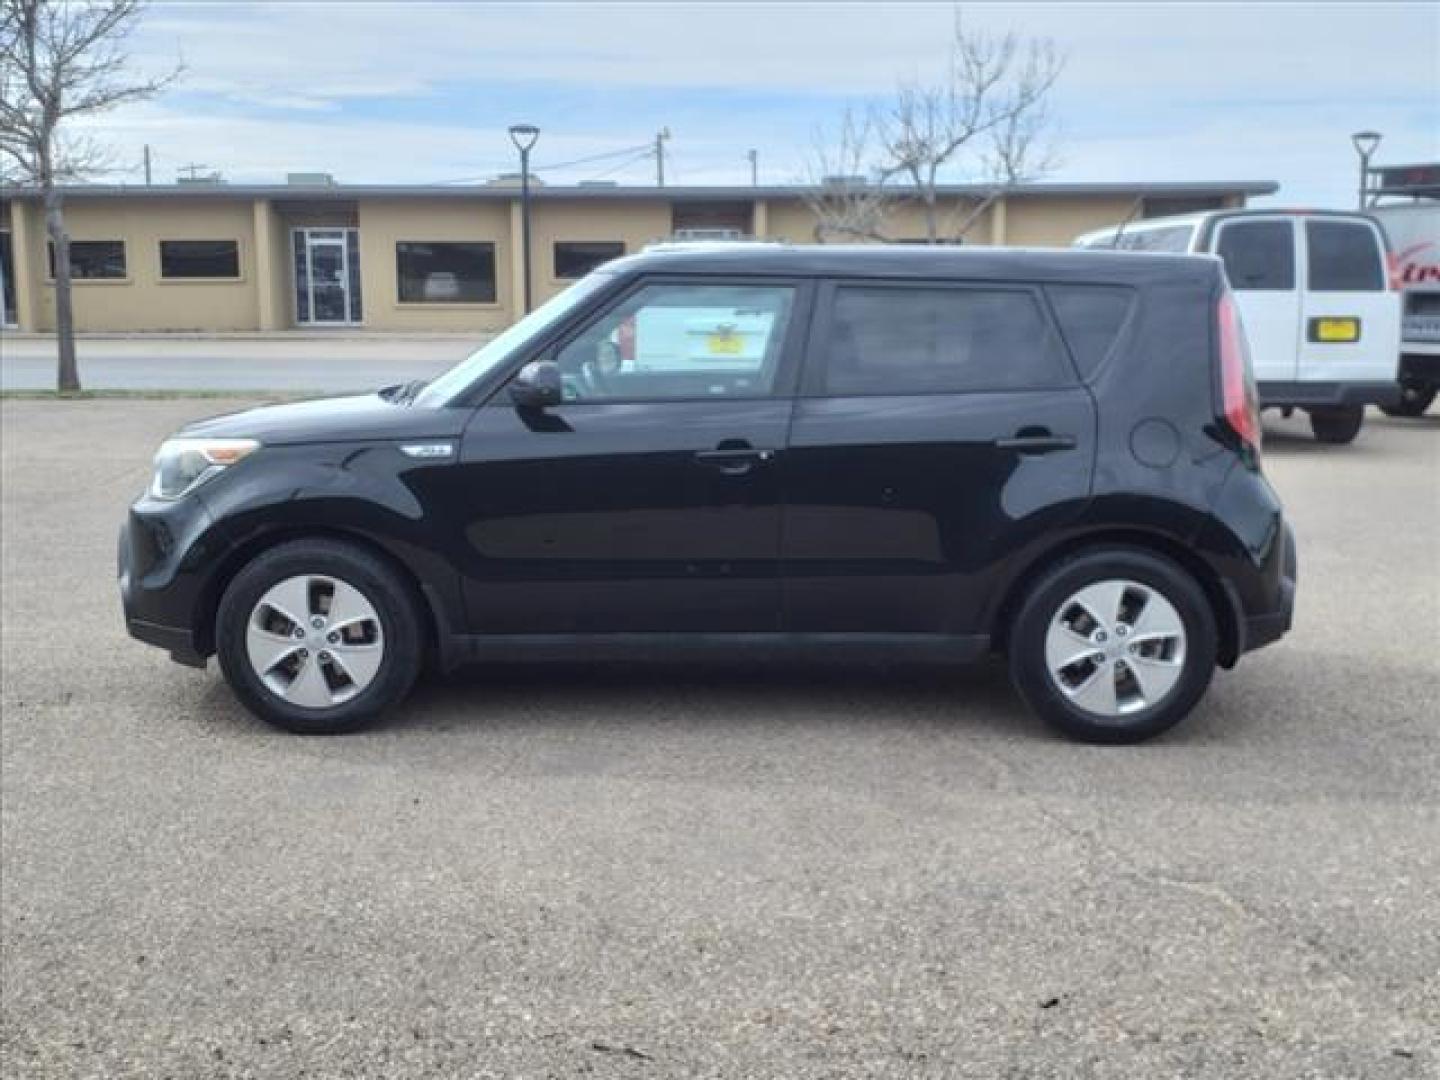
(199, 259)
(681, 341)
(1344, 257)
(93, 260)
(1258, 255)
(914, 340)
(576, 258)
(445, 272)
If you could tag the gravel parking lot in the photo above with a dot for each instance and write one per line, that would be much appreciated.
(729, 872)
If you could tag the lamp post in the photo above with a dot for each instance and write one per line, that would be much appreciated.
(524, 136)
(1365, 143)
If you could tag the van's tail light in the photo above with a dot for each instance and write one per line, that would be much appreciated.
(1237, 385)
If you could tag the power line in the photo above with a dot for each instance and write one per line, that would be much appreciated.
(641, 156)
(643, 148)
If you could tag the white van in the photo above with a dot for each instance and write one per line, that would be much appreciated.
(1316, 298)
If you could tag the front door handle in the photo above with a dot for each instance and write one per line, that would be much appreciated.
(734, 460)
(1037, 442)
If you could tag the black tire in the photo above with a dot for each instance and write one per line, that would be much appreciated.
(1415, 400)
(1030, 672)
(386, 591)
(1338, 425)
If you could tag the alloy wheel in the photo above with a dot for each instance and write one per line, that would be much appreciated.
(1115, 648)
(314, 640)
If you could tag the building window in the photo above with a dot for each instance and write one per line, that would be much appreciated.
(199, 259)
(93, 260)
(445, 272)
(576, 258)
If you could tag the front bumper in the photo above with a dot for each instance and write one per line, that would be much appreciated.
(1319, 395)
(165, 555)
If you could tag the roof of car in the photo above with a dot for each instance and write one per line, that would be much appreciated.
(1201, 216)
(906, 261)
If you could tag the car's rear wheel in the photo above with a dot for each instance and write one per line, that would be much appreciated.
(1113, 645)
(1338, 425)
(318, 637)
(1415, 399)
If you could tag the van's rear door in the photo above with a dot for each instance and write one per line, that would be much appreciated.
(1261, 255)
(1350, 329)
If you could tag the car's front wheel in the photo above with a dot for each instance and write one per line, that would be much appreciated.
(1113, 645)
(318, 637)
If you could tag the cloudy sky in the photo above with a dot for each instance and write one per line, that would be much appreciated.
(421, 92)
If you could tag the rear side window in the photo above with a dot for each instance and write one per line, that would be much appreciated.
(1344, 257)
(1090, 318)
(1258, 254)
(903, 340)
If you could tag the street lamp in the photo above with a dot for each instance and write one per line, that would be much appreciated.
(524, 136)
(1365, 143)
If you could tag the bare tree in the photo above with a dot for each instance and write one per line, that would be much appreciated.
(844, 191)
(988, 113)
(987, 118)
(60, 60)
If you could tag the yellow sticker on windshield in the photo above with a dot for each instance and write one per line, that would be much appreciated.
(725, 343)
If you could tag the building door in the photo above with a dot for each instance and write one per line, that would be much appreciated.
(7, 281)
(327, 277)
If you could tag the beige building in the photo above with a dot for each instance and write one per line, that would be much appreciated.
(218, 257)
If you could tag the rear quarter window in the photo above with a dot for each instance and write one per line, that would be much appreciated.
(1091, 318)
(918, 339)
(1344, 256)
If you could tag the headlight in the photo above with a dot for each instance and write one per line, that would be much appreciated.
(182, 465)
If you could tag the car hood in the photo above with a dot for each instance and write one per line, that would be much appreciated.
(356, 418)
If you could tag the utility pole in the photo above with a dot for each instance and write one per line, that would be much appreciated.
(194, 169)
(147, 164)
(754, 156)
(660, 137)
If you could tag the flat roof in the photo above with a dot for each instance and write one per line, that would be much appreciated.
(346, 192)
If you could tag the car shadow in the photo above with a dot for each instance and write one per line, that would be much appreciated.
(553, 696)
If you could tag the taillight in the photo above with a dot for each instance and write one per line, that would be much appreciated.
(1237, 386)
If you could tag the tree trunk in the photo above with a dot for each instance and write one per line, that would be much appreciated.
(932, 224)
(68, 374)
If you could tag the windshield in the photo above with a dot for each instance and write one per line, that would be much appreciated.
(494, 352)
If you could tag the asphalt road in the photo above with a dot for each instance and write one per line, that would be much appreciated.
(728, 872)
(241, 364)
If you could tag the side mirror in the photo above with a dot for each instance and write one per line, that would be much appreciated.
(537, 385)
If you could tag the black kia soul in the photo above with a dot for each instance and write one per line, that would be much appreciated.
(894, 452)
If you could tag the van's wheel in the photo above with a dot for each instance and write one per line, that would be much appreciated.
(1337, 425)
(1415, 399)
(1113, 645)
(318, 637)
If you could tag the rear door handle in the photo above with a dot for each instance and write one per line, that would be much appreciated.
(1037, 443)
